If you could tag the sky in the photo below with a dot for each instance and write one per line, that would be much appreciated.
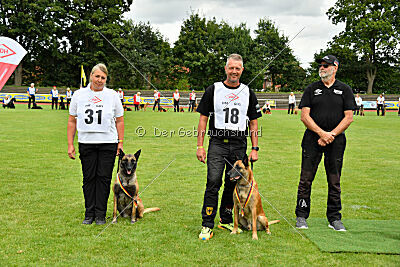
(290, 16)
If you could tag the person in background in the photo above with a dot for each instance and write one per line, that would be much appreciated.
(176, 97)
(8, 102)
(121, 95)
(192, 100)
(157, 99)
(54, 97)
(68, 94)
(398, 104)
(358, 100)
(136, 101)
(97, 114)
(31, 95)
(380, 105)
(292, 103)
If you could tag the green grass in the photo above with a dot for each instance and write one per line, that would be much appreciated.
(41, 195)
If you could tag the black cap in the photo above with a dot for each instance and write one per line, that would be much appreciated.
(329, 59)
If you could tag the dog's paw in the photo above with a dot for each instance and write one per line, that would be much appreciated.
(233, 232)
(133, 221)
(255, 237)
(114, 221)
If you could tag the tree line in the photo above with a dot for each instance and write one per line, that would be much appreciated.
(62, 35)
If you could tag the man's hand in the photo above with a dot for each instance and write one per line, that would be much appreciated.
(120, 148)
(71, 151)
(201, 155)
(253, 155)
(327, 137)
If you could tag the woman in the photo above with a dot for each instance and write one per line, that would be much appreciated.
(97, 113)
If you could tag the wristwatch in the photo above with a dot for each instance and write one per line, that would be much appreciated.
(256, 148)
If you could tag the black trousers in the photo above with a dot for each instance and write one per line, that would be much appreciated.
(218, 151)
(333, 160)
(191, 105)
(68, 100)
(136, 107)
(291, 107)
(176, 105)
(380, 107)
(357, 110)
(157, 102)
(54, 101)
(97, 166)
(31, 99)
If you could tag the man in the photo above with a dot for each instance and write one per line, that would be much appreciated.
(8, 102)
(157, 97)
(229, 105)
(176, 96)
(292, 102)
(192, 100)
(136, 101)
(31, 95)
(121, 95)
(327, 111)
(68, 96)
(358, 100)
(398, 105)
(54, 97)
(380, 105)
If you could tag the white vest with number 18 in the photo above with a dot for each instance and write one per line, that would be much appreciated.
(230, 107)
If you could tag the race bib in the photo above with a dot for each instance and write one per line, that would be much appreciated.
(94, 112)
(230, 107)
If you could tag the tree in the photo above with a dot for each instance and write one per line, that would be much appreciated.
(372, 30)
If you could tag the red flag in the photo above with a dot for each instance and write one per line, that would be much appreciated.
(11, 54)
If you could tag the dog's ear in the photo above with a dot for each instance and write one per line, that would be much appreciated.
(121, 154)
(137, 154)
(245, 160)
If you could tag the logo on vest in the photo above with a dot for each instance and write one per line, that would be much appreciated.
(209, 210)
(318, 92)
(5, 51)
(95, 100)
(232, 97)
(302, 203)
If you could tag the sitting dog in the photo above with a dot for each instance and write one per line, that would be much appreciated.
(35, 106)
(248, 210)
(126, 189)
(362, 110)
(181, 110)
(62, 105)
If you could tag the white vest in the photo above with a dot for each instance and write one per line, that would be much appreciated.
(230, 107)
(95, 111)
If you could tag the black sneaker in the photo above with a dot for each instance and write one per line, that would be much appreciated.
(301, 223)
(337, 226)
(88, 220)
(100, 220)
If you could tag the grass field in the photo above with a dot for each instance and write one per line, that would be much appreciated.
(41, 195)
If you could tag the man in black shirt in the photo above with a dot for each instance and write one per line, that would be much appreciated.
(327, 111)
(227, 106)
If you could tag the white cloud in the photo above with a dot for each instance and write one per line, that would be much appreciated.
(290, 17)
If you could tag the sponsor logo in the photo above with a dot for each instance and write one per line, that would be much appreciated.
(209, 210)
(338, 92)
(95, 100)
(232, 97)
(318, 92)
(302, 203)
(5, 51)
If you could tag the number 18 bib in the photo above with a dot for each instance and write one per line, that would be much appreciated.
(230, 107)
(94, 112)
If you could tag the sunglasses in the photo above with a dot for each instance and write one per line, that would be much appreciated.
(324, 65)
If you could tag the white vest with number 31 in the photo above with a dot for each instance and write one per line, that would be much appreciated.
(230, 107)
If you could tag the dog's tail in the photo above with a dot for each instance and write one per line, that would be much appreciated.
(269, 222)
(151, 210)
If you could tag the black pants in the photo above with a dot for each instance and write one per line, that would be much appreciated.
(157, 102)
(176, 105)
(136, 107)
(31, 99)
(97, 166)
(380, 107)
(291, 107)
(218, 151)
(68, 100)
(54, 101)
(191, 104)
(333, 160)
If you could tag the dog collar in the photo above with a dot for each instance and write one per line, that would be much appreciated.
(247, 199)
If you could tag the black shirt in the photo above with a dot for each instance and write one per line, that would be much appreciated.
(328, 104)
(206, 108)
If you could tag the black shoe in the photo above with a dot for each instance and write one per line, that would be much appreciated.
(100, 220)
(88, 220)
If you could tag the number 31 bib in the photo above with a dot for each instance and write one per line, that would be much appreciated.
(230, 107)
(94, 111)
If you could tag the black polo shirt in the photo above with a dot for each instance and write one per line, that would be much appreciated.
(206, 108)
(328, 104)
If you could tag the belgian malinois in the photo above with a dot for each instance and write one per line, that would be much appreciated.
(126, 188)
(248, 210)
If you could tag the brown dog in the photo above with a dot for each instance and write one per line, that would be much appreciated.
(126, 188)
(248, 210)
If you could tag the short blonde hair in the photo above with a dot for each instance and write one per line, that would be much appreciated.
(100, 67)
